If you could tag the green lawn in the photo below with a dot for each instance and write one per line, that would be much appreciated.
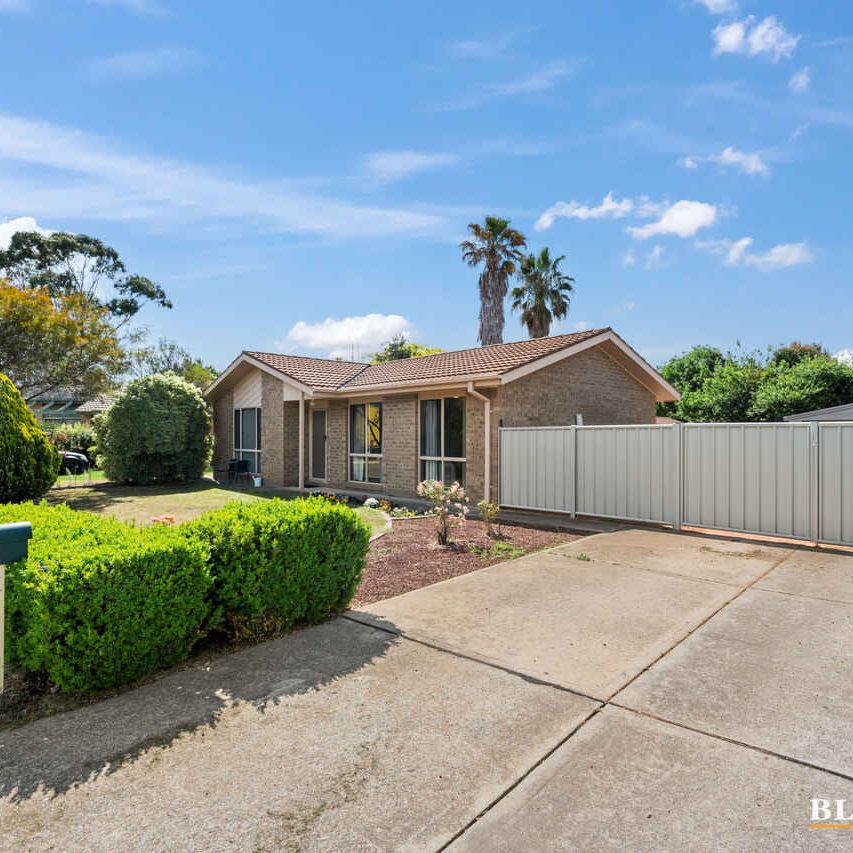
(184, 501)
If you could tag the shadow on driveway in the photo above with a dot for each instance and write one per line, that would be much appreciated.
(57, 753)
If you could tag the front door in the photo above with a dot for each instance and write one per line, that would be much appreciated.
(318, 444)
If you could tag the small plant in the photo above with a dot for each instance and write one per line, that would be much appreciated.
(449, 506)
(490, 511)
(384, 505)
(402, 512)
(498, 551)
(584, 558)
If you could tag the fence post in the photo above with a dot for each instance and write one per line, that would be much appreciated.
(14, 546)
(814, 482)
(679, 476)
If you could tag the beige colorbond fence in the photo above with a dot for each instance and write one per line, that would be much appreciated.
(787, 479)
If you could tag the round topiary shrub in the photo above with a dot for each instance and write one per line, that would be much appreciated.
(156, 431)
(28, 462)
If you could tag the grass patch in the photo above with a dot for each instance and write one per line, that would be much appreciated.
(498, 551)
(584, 558)
(184, 501)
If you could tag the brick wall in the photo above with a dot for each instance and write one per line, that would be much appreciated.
(589, 383)
(272, 426)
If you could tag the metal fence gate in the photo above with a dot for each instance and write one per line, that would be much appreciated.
(781, 479)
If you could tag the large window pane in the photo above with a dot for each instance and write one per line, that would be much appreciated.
(236, 428)
(258, 433)
(374, 427)
(454, 426)
(431, 428)
(356, 429)
(249, 434)
(254, 460)
(454, 472)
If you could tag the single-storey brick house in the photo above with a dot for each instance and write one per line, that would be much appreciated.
(302, 421)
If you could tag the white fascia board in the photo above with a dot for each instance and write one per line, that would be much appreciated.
(245, 358)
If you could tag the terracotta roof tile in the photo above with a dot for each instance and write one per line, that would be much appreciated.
(321, 373)
(327, 374)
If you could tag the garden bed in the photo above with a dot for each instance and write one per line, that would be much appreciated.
(408, 556)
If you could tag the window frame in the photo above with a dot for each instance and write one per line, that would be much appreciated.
(366, 455)
(237, 441)
(442, 459)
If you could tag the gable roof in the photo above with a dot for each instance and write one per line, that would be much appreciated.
(499, 362)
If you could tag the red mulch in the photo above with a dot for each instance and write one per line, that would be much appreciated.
(408, 557)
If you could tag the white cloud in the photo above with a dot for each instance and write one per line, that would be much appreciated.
(348, 336)
(13, 226)
(156, 62)
(54, 172)
(15, 6)
(388, 166)
(532, 83)
(629, 258)
(610, 208)
(737, 253)
(754, 39)
(749, 164)
(719, 7)
(845, 356)
(654, 259)
(682, 219)
(581, 326)
(485, 48)
(138, 7)
(800, 81)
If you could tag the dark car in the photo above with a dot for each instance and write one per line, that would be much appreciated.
(73, 463)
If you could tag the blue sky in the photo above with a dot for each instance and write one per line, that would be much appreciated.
(298, 176)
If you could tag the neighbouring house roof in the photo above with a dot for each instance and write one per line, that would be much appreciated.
(499, 363)
(100, 403)
(844, 412)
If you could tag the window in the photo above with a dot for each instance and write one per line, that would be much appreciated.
(442, 452)
(365, 442)
(247, 437)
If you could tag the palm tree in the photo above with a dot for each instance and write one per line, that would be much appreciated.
(498, 247)
(544, 293)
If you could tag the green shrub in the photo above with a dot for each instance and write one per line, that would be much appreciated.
(157, 430)
(79, 438)
(98, 602)
(28, 463)
(275, 563)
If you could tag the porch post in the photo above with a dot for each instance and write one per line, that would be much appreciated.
(301, 439)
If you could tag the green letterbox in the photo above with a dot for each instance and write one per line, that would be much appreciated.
(14, 539)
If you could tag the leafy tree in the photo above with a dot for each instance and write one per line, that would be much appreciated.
(726, 395)
(688, 372)
(400, 347)
(67, 341)
(543, 295)
(795, 352)
(28, 462)
(169, 357)
(157, 430)
(815, 382)
(498, 248)
(64, 264)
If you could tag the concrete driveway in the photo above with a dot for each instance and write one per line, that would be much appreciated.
(637, 690)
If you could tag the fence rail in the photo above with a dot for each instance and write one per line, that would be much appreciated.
(786, 479)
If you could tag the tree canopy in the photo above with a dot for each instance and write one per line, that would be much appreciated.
(400, 347)
(46, 344)
(748, 387)
(169, 357)
(543, 295)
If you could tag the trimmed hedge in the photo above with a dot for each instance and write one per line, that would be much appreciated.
(98, 602)
(275, 563)
(28, 462)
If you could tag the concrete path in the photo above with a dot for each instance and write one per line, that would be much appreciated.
(634, 690)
